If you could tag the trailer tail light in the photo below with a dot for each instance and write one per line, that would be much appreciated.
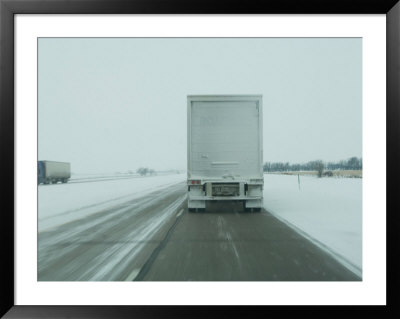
(196, 182)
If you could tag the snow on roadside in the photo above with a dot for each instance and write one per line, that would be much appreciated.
(328, 210)
(62, 203)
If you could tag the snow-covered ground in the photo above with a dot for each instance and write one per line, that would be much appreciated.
(326, 210)
(79, 177)
(63, 203)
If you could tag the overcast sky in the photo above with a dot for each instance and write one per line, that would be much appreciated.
(116, 104)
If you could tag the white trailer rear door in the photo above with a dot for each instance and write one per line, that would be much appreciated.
(225, 138)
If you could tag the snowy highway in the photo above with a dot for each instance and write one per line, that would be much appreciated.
(140, 229)
(111, 244)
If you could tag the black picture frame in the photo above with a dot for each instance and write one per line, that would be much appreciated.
(8, 8)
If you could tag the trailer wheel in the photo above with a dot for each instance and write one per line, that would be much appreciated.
(191, 210)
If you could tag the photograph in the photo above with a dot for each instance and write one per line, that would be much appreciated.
(199, 159)
(175, 159)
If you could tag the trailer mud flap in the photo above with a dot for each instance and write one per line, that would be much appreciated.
(196, 204)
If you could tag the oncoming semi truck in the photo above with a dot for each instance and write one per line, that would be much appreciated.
(225, 152)
(51, 172)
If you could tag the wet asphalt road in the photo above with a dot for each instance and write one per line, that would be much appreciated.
(157, 239)
(226, 244)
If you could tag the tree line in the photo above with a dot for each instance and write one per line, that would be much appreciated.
(143, 171)
(353, 163)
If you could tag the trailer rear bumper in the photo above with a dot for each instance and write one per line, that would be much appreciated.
(208, 198)
(250, 194)
(199, 202)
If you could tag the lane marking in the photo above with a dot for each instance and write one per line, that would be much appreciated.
(147, 265)
(133, 274)
(180, 213)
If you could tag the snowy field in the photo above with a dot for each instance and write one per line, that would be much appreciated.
(62, 203)
(326, 210)
(80, 178)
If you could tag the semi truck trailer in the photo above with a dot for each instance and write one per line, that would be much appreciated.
(50, 172)
(225, 154)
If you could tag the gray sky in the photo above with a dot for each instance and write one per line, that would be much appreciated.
(115, 104)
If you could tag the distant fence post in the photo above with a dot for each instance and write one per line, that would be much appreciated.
(298, 180)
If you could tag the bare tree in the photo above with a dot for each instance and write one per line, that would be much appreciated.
(142, 171)
(319, 167)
